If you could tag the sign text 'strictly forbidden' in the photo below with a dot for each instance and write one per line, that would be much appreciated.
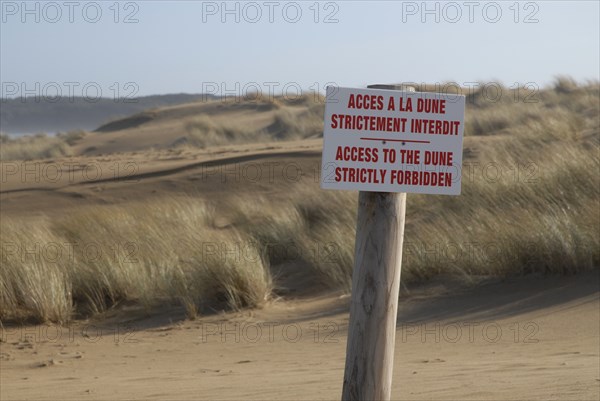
(393, 141)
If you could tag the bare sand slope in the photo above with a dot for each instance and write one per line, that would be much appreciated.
(533, 338)
(28, 187)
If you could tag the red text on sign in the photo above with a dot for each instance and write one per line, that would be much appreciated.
(357, 154)
(366, 102)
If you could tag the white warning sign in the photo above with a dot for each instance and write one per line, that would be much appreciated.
(393, 141)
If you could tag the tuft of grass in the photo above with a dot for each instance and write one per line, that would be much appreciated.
(307, 226)
(30, 147)
(204, 132)
(34, 279)
(565, 84)
(232, 269)
(292, 124)
(72, 137)
(330, 218)
(274, 229)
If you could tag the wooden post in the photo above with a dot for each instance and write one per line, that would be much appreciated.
(375, 288)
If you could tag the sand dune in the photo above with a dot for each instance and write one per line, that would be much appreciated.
(534, 337)
(169, 126)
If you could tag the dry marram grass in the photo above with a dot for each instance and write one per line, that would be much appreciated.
(529, 205)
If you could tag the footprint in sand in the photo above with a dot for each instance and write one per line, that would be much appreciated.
(24, 344)
(437, 360)
(48, 363)
(73, 355)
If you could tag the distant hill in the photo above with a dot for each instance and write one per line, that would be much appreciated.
(31, 115)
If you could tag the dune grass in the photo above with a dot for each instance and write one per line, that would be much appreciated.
(293, 118)
(72, 137)
(149, 253)
(204, 132)
(292, 124)
(30, 147)
(33, 274)
(529, 204)
(545, 222)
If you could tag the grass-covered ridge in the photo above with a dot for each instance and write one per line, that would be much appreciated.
(529, 204)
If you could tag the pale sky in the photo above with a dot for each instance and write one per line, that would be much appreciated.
(196, 46)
